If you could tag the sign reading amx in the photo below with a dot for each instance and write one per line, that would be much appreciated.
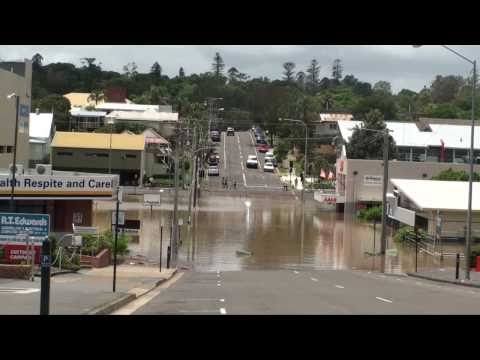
(35, 225)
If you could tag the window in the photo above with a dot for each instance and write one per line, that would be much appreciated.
(9, 148)
(2, 149)
(461, 156)
(333, 126)
(91, 154)
(418, 154)
(403, 153)
(433, 154)
(130, 156)
(64, 153)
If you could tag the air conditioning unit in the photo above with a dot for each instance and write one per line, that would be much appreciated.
(43, 169)
(18, 169)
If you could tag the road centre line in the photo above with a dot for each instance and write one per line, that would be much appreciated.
(340, 286)
(382, 299)
(314, 279)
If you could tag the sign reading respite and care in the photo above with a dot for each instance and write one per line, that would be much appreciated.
(37, 186)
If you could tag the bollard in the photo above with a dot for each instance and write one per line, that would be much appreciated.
(457, 267)
(45, 280)
(168, 257)
(161, 246)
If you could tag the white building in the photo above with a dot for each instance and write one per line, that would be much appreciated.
(163, 122)
(41, 131)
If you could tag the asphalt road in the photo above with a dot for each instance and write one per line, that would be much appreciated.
(234, 151)
(307, 292)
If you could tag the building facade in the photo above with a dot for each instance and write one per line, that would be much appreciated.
(122, 154)
(15, 77)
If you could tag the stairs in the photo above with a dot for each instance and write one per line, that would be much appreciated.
(85, 263)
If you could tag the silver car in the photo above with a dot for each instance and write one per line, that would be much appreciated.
(213, 170)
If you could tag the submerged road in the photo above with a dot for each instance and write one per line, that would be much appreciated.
(304, 292)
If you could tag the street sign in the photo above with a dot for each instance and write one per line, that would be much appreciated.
(391, 252)
(84, 230)
(77, 240)
(151, 199)
(13, 225)
(180, 221)
(46, 260)
(121, 217)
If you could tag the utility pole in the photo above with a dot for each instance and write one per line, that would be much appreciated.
(175, 202)
(385, 186)
(13, 207)
(192, 182)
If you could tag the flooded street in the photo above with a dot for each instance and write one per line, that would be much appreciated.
(234, 233)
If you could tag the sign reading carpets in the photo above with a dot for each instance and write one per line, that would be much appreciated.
(40, 186)
(18, 229)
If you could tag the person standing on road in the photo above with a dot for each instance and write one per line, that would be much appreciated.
(234, 184)
(296, 182)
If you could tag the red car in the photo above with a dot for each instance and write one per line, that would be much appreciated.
(263, 148)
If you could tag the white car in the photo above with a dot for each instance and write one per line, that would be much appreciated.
(268, 166)
(271, 159)
(213, 170)
(269, 153)
(252, 162)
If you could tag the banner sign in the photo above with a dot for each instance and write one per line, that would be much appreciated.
(372, 180)
(35, 186)
(15, 254)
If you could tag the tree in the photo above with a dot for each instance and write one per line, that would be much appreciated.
(288, 73)
(337, 69)
(37, 62)
(452, 175)
(313, 75)
(60, 106)
(383, 87)
(446, 88)
(365, 144)
(300, 78)
(130, 70)
(181, 72)
(233, 74)
(96, 95)
(218, 65)
(156, 71)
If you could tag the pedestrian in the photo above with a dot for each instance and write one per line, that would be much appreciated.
(234, 184)
(296, 182)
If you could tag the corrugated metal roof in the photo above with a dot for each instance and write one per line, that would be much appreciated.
(40, 125)
(98, 141)
(80, 99)
(425, 194)
(126, 107)
(408, 134)
(335, 117)
(148, 115)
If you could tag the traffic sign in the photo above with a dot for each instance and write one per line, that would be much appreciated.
(46, 261)
(121, 218)
(391, 252)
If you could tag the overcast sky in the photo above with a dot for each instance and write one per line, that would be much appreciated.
(403, 66)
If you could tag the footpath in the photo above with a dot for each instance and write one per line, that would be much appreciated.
(87, 292)
(447, 275)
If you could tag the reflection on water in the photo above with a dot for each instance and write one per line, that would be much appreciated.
(280, 233)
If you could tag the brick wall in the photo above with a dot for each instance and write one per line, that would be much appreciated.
(15, 271)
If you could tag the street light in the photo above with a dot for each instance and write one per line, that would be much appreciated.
(111, 122)
(470, 175)
(306, 146)
(15, 137)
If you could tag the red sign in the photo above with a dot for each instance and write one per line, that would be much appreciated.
(330, 199)
(16, 254)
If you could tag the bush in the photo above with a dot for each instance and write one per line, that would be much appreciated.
(407, 231)
(92, 244)
(371, 214)
(2, 254)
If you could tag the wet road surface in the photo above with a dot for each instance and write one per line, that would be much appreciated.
(308, 292)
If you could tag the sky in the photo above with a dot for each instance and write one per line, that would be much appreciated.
(401, 65)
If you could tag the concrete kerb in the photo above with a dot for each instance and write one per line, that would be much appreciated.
(454, 282)
(111, 306)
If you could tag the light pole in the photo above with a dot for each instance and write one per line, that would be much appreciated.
(468, 238)
(111, 122)
(15, 137)
(306, 147)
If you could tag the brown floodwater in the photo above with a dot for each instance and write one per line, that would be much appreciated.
(233, 233)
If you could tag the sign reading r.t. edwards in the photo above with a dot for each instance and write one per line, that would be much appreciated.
(39, 186)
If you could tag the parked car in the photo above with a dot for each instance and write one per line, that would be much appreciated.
(213, 160)
(271, 159)
(230, 131)
(215, 135)
(252, 162)
(269, 153)
(213, 170)
(268, 166)
(263, 148)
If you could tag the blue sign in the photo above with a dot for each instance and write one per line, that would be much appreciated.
(46, 261)
(13, 224)
(24, 111)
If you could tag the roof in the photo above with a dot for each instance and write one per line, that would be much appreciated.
(425, 194)
(85, 113)
(148, 115)
(40, 125)
(408, 134)
(80, 99)
(125, 107)
(98, 141)
(152, 137)
(335, 117)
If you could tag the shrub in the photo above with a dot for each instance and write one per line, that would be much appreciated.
(92, 244)
(371, 214)
(407, 231)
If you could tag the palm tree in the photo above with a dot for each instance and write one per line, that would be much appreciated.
(96, 95)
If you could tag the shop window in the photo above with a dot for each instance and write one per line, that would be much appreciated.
(2, 149)
(130, 156)
(64, 153)
(418, 154)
